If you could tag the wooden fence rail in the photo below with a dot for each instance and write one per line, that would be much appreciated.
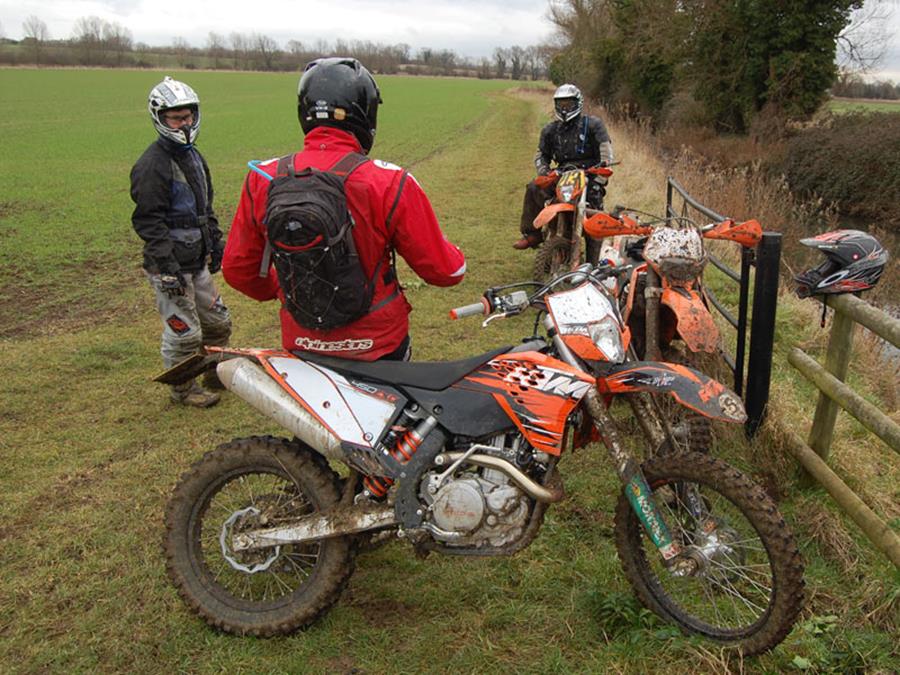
(834, 395)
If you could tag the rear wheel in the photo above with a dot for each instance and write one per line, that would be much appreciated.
(747, 585)
(246, 484)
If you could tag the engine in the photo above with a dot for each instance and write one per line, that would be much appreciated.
(476, 507)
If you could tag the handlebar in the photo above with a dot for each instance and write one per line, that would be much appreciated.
(482, 308)
(498, 306)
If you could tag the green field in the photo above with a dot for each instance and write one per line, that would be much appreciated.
(844, 105)
(90, 448)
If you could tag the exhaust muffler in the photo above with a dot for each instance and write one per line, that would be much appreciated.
(249, 382)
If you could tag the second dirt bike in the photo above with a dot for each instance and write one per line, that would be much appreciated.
(664, 302)
(463, 458)
(562, 221)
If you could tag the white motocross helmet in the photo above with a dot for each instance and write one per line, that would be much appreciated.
(170, 94)
(567, 102)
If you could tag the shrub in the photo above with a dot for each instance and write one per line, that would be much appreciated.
(852, 160)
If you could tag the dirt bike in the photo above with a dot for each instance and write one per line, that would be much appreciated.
(663, 301)
(461, 458)
(562, 220)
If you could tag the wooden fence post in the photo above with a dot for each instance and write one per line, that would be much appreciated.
(837, 361)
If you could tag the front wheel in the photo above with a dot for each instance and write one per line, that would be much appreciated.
(553, 258)
(246, 484)
(746, 587)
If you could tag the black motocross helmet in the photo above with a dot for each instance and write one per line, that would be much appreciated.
(854, 262)
(339, 92)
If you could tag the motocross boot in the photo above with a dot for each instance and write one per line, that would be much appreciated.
(192, 394)
(527, 241)
(211, 381)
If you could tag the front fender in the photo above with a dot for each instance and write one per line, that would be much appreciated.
(689, 387)
(695, 324)
(548, 213)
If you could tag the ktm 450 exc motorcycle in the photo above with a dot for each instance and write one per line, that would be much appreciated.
(562, 221)
(462, 458)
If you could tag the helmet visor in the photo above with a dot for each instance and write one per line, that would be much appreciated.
(566, 105)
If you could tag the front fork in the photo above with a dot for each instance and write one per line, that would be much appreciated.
(636, 488)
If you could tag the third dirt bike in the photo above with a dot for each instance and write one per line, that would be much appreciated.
(562, 221)
(663, 301)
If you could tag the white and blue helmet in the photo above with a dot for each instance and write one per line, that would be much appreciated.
(170, 94)
(567, 102)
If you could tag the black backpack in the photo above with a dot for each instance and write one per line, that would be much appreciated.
(310, 236)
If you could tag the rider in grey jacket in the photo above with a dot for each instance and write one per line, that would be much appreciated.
(573, 139)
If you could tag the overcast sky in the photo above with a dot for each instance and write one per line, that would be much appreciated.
(471, 28)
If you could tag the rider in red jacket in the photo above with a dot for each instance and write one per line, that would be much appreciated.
(337, 103)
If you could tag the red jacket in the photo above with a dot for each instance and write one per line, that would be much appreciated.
(371, 192)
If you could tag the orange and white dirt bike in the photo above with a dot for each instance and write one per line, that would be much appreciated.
(664, 302)
(562, 220)
(463, 458)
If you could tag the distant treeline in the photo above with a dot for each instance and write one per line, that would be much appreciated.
(96, 42)
(855, 87)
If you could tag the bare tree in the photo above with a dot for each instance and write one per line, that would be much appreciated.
(266, 50)
(501, 56)
(88, 36)
(118, 40)
(36, 33)
(215, 47)
(239, 47)
(863, 43)
(182, 49)
(516, 62)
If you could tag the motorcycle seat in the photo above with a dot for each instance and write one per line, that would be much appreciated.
(430, 375)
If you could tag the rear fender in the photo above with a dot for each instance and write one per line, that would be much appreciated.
(689, 387)
(695, 324)
(550, 212)
(197, 364)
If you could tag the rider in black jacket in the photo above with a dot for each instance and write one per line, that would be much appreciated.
(572, 139)
(183, 245)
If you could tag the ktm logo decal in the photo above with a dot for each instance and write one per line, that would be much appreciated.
(563, 385)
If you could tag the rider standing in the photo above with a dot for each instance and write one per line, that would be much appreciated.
(173, 195)
(575, 140)
(338, 105)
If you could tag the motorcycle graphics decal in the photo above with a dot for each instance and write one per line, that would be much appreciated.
(688, 386)
(351, 414)
(536, 391)
(695, 324)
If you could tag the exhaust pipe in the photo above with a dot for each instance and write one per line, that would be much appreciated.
(251, 383)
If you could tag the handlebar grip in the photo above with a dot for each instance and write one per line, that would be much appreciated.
(474, 309)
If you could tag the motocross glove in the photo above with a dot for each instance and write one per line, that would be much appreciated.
(172, 285)
(543, 170)
(215, 259)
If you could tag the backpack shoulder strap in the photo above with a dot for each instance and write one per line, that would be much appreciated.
(285, 166)
(348, 164)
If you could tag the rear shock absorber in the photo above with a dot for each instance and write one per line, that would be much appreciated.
(404, 448)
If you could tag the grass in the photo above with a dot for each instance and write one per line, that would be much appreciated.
(843, 105)
(90, 448)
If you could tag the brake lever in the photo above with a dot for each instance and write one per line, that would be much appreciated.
(501, 315)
